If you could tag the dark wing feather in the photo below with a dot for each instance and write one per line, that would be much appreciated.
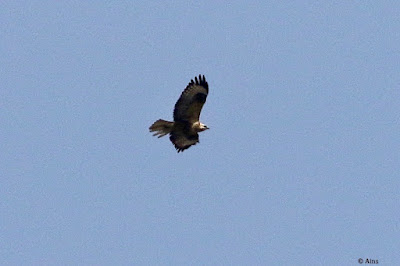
(182, 137)
(189, 105)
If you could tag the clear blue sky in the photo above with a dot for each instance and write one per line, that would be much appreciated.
(301, 164)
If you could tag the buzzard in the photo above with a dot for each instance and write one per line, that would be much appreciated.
(186, 126)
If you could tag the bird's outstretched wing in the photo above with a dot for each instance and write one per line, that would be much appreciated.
(182, 138)
(189, 105)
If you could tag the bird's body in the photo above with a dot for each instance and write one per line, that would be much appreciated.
(186, 125)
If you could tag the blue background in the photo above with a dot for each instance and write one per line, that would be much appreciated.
(301, 164)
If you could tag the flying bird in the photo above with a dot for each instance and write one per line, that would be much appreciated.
(184, 129)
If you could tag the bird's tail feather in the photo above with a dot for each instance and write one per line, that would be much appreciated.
(161, 128)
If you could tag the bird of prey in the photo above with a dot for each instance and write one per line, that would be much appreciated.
(184, 129)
